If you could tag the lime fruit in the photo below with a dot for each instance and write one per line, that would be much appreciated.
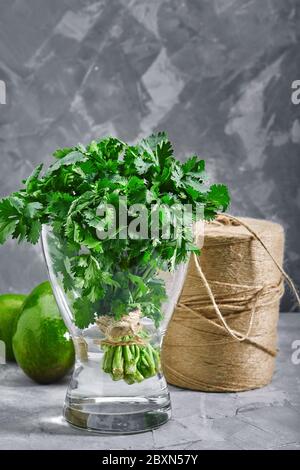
(40, 344)
(10, 309)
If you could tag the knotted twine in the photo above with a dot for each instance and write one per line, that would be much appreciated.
(115, 332)
(223, 334)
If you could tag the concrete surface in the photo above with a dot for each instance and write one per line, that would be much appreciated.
(269, 418)
(216, 74)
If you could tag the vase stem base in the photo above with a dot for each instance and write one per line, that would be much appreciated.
(125, 415)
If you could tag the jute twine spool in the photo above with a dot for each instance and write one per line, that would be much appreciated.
(222, 336)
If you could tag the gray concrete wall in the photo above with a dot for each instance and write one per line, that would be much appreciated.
(216, 74)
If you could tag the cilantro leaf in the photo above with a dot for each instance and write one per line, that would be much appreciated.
(84, 313)
(69, 159)
(219, 196)
(8, 219)
(32, 208)
(32, 180)
(61, 153)
(155, 140)
(34, 232)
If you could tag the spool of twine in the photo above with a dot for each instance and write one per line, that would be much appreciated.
(223, 334)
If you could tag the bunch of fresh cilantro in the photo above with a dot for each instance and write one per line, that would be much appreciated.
(113, 276)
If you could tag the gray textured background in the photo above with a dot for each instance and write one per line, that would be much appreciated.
(216, 74)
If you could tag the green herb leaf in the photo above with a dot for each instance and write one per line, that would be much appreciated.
(219, 196)
(69, 159)
(84, 313)
(32, 208)
(61, 153)
(34, 232)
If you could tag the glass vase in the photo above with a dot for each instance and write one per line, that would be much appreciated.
(106, 395)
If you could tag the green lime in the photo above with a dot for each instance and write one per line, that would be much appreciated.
(40, 344)
(10, 309)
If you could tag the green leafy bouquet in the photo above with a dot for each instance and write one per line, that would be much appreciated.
(115, 275)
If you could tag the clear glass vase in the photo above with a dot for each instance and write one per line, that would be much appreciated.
(113, 402)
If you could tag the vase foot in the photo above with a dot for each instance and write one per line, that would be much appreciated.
(124, 415)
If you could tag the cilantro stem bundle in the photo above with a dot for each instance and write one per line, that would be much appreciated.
(114, 276)
(132, 362)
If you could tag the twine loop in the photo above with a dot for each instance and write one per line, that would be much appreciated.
(226, 219)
